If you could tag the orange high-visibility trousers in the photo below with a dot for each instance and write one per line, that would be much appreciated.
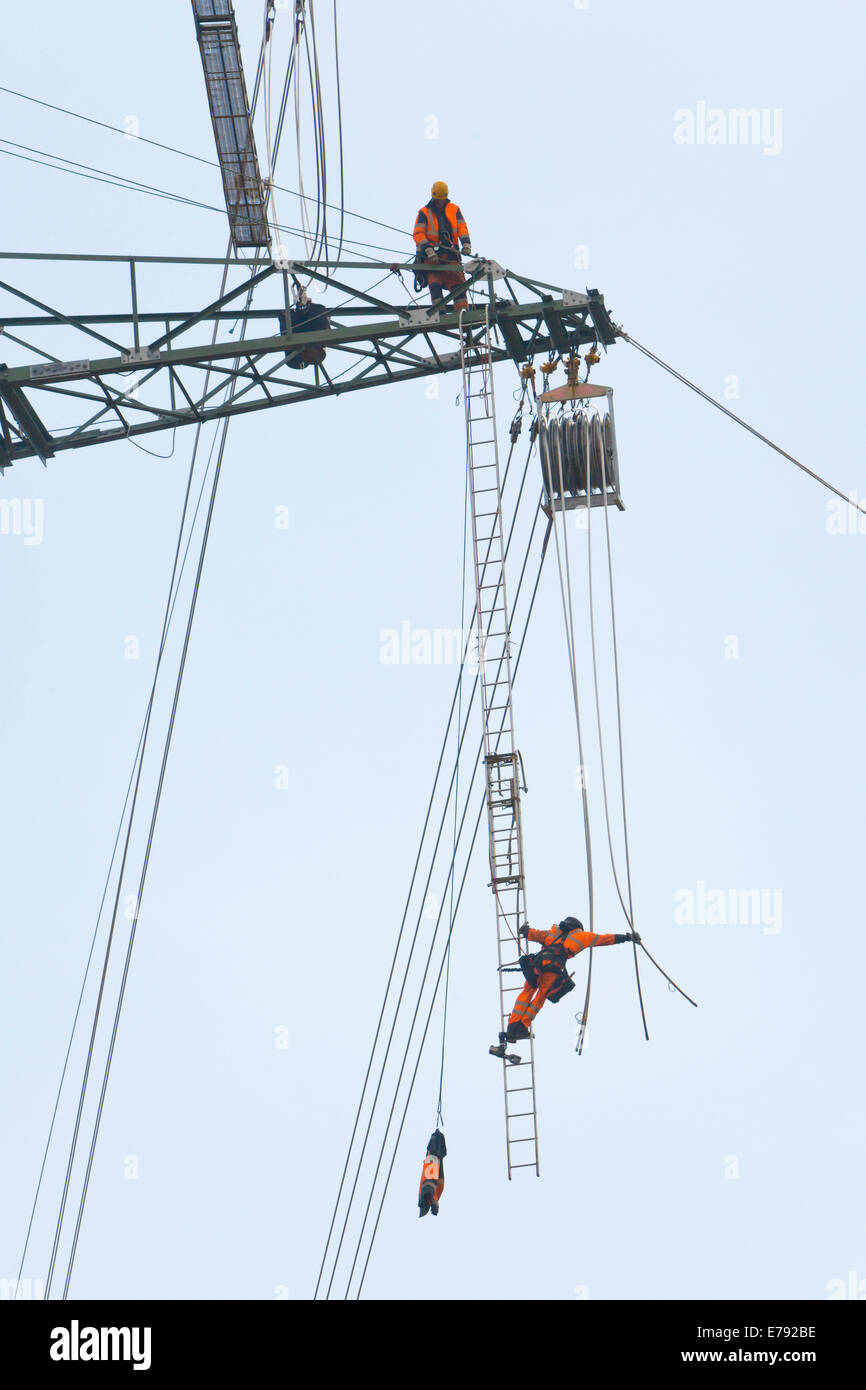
(448, 279)
(432, 1173)
(531, 998)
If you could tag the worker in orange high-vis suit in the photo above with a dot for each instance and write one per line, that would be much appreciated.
(441, 235)
(546, 975)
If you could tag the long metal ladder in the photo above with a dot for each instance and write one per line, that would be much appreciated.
(502, 765)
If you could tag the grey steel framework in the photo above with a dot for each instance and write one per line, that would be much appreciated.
(502, 771)
(85, 377)
(217, 34)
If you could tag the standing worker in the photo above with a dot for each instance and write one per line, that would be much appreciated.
(546, 975)
(441, 235)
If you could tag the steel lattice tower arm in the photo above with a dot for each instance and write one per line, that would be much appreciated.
(86, 377)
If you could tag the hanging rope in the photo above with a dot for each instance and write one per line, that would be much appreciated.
(673, 984)
(525, 629)
(568, 617)
(409, 897)
(619, 740)
(451, 871)
(628, 912)
(439, 1117)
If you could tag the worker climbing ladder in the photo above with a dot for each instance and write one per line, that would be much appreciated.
(502, 765)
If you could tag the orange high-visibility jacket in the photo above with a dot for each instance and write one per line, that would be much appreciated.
(573, 943)
(427, 225)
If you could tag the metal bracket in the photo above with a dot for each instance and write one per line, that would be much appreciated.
(573, 297)
(420, 316)
(47, 371)
(140, 355)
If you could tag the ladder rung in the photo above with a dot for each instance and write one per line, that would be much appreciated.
(522, 1165)
(530, 1140)
(521, 1114)
(512, 1090)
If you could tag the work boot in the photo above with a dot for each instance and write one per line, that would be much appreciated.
(434, 1208)
(517, 1032)
(425, 1200)
(498, 1051)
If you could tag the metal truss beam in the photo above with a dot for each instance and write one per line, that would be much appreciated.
(169, 367)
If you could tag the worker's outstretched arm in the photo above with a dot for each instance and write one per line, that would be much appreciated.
(538, 936)
(580, 940)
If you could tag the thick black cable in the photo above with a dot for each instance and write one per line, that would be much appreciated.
(155, 809)
(150, 191)
(475, 767)
(340, 135)
(412, 883)
(199, 159)
(671, 982)
(77, 1012)
(462, 735)
(107, 882)
(739, 421)
(169, 610)
(143, 876)
(120, 823)
(172, 598)
(433, 1001)
(144, 738)
(439, 1117)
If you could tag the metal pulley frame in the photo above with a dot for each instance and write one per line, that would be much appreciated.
(568, 442)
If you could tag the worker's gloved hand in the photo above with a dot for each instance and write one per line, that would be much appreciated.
(466, 246)
(633, 936)
(523, 931)
(429, 252)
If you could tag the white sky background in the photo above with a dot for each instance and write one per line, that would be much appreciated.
(266, 908)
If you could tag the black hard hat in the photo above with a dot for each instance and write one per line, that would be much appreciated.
(570, 924)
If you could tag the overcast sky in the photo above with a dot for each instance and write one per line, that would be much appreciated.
(722, 1159)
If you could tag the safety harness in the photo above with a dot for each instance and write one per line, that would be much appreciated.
(550, 960)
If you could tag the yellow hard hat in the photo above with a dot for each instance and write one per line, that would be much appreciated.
(439, 189)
